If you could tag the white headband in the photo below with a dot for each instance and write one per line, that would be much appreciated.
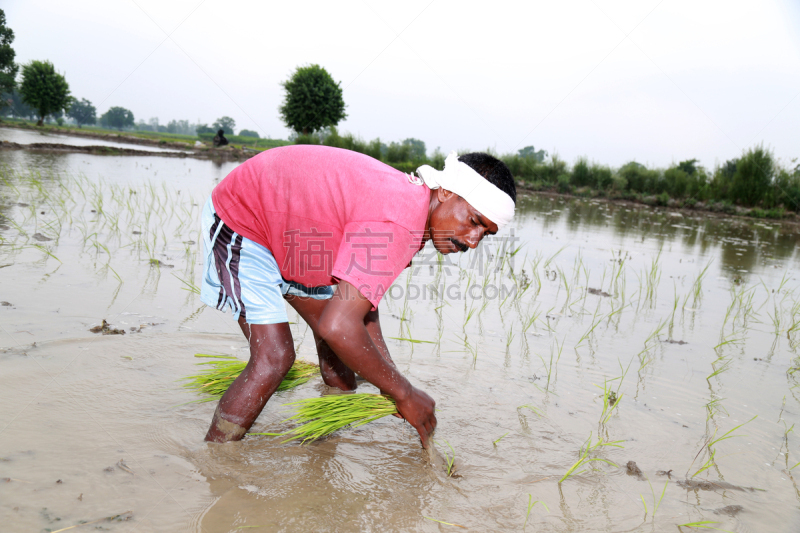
(460, 178)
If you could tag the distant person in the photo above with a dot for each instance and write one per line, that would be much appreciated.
(329, 230)
(219, 138)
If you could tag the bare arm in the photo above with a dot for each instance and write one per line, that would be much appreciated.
(342, 326)
(373, 324)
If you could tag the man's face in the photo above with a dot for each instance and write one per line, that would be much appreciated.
(457, 226)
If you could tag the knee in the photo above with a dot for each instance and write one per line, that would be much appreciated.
(273, 363)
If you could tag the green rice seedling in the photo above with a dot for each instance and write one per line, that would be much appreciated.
(728, 339)
(776, 318)
(584, 459)
(450, 459)
(116, 275)
(549, 367)
(439, 324)
(532, 408)
(674, 308)
(717, 370)
(468, 317)
(189, 285)
(531, 504)
(709, 446)
(610, 401)
(500, 438)
(502, 303)
(219, 373)
(442, 522)
(656, 504)
(567, 286)
(715, 406)
(703, 524)
(577, 267)
(795, 321)
(413, 341)
(595, 322)
(530, 320)
(45, 251)
(510, 337)
(319, 417)
(649, 343)
(535, 271)
(651, 277)
(552, 257)
(697, 287)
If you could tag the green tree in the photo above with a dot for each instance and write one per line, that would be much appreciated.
(529, 152)
(417, 148)
(83, 112)
(8, 69)
(44, 89)
(754, 174)
(204, 128)
(227, 124)
(14, 106)
(117, 117)
(313, 100)
(249, 133)
(689, 166)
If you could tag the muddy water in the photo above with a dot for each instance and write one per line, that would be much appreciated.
(105, 416)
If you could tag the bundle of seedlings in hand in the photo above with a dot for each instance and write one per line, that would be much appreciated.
(220, 373)
(319, 417)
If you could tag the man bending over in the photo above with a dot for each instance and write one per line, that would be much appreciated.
(329, 230)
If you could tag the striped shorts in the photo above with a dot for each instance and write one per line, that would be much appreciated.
(243, 275)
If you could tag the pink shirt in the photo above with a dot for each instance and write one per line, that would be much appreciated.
(327, 214)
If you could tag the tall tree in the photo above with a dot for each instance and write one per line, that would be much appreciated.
(83, 112)
(117, 117)
(530, 152)
(8, 69)
(44, 89)
(224, 123)
(313, 100)
(16, 107)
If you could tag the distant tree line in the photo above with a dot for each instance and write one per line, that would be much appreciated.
(313, 107)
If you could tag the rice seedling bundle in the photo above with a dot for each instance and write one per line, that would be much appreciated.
(219, 373)
(319, 417)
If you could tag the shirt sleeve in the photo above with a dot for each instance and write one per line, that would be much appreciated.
(372, 255)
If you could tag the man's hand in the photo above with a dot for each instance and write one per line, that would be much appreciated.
(342, 326)
(418, 409)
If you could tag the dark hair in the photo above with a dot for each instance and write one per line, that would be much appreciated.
(495, 171)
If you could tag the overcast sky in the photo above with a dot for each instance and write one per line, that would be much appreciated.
(647, 80)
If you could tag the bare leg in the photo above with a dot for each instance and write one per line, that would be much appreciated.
(334, 372)
(271, 357)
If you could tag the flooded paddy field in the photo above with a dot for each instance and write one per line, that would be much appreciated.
(596, 367)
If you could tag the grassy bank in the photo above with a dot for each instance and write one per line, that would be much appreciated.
(753, 184)
(156, 137)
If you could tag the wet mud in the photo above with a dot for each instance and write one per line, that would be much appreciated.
(106, 329)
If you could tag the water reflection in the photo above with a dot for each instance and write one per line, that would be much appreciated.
(741, 245)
